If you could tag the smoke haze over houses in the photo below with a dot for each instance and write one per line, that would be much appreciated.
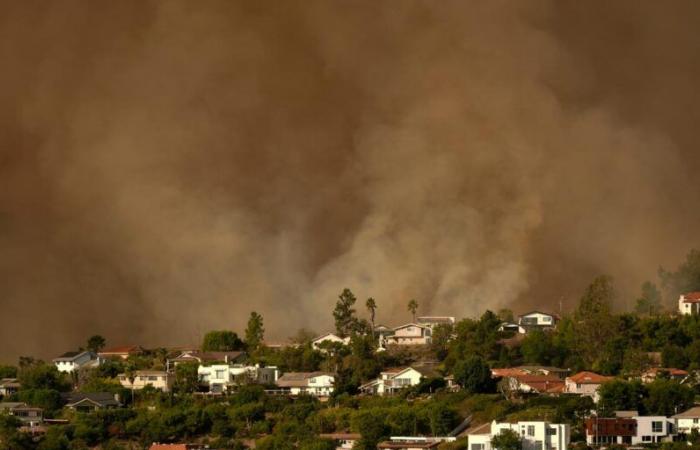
(167, 167)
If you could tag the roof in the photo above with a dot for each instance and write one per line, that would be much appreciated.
(542, 383)
(542, 369)
(484, 428)
(671, 371)
(73, 357)
(691, 297)
(11, 405)
(409, 444)
(298, 379)
(692, 413)
(589, 378)
(626, 414)
(436, 319)
(9, 382)
(196, 355)
(100, 398)
(412, 324)
(341, 436)
(128, 349)
(539, 312)
(507, 372)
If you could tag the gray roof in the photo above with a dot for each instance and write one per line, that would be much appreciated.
(691, 413)
(74, 357)
(101, 398)
(298, 379)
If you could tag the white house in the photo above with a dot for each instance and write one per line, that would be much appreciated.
(537, 319)
(328, 337)
(343, 441)
(69, 364)
(688, 420)
(689, 303)
(158, 379)
(317, 384)
(221, 377)
(410, 334)
(535, 435)
(391, 381)
(585, 383)
(9, 386)
(654, 429)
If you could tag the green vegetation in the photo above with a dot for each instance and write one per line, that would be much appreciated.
(593, 337)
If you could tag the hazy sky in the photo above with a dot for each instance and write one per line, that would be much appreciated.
(167, 167)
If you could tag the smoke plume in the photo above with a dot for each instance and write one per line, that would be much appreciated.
(167, 167)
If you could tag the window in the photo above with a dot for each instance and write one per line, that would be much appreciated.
(312, 380)
(538, 445)
(546, 319)
(477, 447)
(646, 438)
(530, 430)
(551, 431)
(152, 378)
(220, 373)
(657, 427)
(695, 420)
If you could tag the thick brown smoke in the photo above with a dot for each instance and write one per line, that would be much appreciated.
(167, 167)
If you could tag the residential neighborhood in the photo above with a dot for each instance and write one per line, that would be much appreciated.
(433, 382)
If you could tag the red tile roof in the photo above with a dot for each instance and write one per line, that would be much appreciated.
(691, 297)
(589, 378)
(542, 383)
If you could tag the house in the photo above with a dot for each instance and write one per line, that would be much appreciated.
(537, 320)
(654, 429)
(413, 442)
(343, 441)
(689, 303)
(535, 435)
(86, 402)
(688, 420)
(433, 321)
(392, 380)
(317, 342)
(9, 386)
(610, 430)
(199, 357)
(512, 328)
(158, 379)
(317, 384)
(534, 384)
(585, 383)
(507, 372)
(671, 373)
(26, 414)
(70, 362)
(409, 334)
(120, 352)
(221, 377)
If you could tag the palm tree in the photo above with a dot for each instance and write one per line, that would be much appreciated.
(413, 307)
(371, 307)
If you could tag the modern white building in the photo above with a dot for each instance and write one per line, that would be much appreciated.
(688, 420)
(393, 380)
(535, 435)
(317, 384)
(689, 303)
(221, 377)
(342, 441)
(654, 429)
(72, 363)
(158, 379)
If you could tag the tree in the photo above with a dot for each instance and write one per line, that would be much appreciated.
(537, 347)
(686, 278)
(186, 377)
(440, 339)
(413, 307)
(344, 314)
(619, 395)
(371, 306)
(370, 424)
(668, 397)
(649, 303)
(254, 332)
(507, 440)
(594, 322)
(96, 343)
(474, 376)
(506, 315)
(221, 341)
